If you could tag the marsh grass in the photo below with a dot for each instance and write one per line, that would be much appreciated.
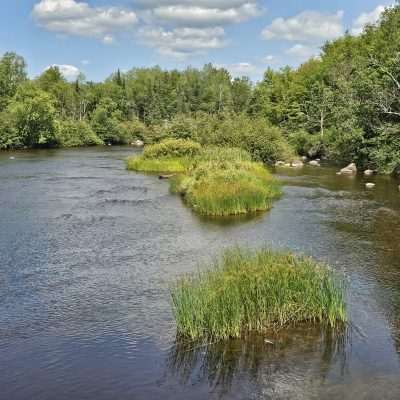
(214, 181)
(171, 165)
(252, 291)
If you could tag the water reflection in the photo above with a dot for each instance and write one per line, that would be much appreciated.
(262, 362)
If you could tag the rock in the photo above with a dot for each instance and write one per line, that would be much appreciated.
(314, 163)
(287, 164)
(279, 164)
(351, 169)
(399, 188)
(370, 185)
(12, 158)
(297, 164)
(166, 176)
(304, 158)
(368, 172)
(108, 144)
(138, 143)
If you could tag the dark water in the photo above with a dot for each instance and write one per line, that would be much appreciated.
(87, 251)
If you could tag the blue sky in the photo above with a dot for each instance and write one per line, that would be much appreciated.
(246, 36)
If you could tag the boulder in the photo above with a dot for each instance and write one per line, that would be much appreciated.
(279, 163)
(370, 185)
(351, 169)
(166, 176)
(314, 163)
(297, 164)
(304, 158)
(368, 172)
(138, 143)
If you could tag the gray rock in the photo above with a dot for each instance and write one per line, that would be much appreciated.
(368, 172)
(279, 164)
(138, 143)
(314, 163)
(351, 169)
(297, 164)
(370, 185)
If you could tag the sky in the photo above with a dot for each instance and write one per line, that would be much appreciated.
(96, 37)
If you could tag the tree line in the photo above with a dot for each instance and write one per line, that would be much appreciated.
(343, 105)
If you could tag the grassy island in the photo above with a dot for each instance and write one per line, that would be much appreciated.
(251, 291)
(213, 181)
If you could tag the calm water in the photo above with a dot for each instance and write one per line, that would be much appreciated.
(87, 251)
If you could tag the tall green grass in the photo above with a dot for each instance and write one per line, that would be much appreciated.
(168, 165)
(251, 291)
(214, 181)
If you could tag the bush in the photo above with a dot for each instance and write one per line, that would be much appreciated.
(307, 144)
(248, 291)
(172, 148)
(264, 142)
(72, 133)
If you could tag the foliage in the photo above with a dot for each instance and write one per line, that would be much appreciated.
(172, 148)
(72, 133)
(344, 104)
(31, 117)
(247, 291)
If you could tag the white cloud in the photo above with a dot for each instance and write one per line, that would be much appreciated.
(302, 52)
(73, 17)
(239, 69)
(185, 15)
(367, 18)
(181, 42)
(69, 72)
(183, 27)
(270, 59)
(220, 4)
(307, 27)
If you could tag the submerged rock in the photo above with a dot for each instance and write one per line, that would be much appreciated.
(166, 176)
(368, 172)
(314, 163)
(351, 169)
(370, 185)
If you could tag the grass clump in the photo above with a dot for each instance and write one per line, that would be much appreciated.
(248, 291)
(227, 184)
(171, 155)
(171, 165)
(214, 181)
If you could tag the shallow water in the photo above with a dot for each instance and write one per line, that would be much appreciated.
(88, 250)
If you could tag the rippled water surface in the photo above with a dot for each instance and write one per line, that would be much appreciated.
(88, 250)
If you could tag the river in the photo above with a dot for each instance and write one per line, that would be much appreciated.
(87, 254)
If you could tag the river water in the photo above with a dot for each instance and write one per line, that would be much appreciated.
(88, 251)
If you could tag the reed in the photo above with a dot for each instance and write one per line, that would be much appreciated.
(252, 291)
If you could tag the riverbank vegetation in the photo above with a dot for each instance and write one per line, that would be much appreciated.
(343, 105)
(212, 180)
(251, 291)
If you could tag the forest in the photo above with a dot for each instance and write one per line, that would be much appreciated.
(342, 106)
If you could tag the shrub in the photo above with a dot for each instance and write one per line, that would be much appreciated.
(307, 144)
(248, 291)
(72, 133)
(172, 148)
(264, 142)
